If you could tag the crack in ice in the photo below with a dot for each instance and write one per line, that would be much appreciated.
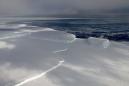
(40, 75)
(58, 51)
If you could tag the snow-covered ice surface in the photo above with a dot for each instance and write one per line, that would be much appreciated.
(35, 56)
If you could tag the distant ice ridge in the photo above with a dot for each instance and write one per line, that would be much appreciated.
(24, 32)
(71, 38)
(105, 43)
(49, 34)
(37, 30)
(14, 26)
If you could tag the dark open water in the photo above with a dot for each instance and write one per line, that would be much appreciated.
(113, 29)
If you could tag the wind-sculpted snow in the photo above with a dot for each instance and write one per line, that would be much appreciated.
(86, 64)
(35, 56)
(4, 44)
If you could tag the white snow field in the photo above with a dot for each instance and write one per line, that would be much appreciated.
(46, 57)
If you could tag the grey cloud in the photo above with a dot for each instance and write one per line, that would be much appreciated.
(35, 7)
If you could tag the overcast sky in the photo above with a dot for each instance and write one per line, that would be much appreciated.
(36, 7)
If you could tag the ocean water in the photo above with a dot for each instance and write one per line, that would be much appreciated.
(116, 29)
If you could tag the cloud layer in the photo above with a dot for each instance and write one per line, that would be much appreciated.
(39, 7)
